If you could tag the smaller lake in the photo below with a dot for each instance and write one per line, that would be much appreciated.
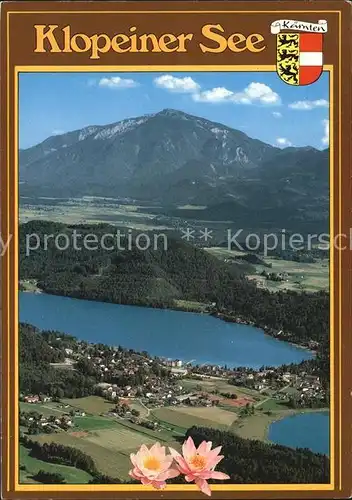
(199, 338)
(303, 430)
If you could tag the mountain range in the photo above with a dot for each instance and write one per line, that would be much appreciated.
(174, 158)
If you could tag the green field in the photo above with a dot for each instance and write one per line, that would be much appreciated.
(185, 417)
(108, 461)
(191, 305)
(256, 426)
(90, 423)
(33, 465)
(108, 441)
(47, 409)
(191, 207)
(161, 435)
(302, 276)
(136, 405)
(272, 404)
(224, 253)
(89, 210)
(221, 385)
(90, 404)
(119, 438)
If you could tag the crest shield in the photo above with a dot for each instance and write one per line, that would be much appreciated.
(299, 56)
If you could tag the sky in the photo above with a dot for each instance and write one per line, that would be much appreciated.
(258, 103)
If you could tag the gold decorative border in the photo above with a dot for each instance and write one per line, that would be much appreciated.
(13, 205)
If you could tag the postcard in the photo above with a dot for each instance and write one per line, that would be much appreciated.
(175, 250)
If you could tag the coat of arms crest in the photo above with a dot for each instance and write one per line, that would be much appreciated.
(299, 50)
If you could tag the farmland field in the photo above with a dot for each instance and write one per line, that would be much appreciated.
(89, 210)
(120, 439)
(272, 404)
(109, 447)
(46, 409)
(221, 385)
(160, 435)
(136, 405)
(90, 404)
(223, 253)
(256, 426)
(185, 417)
(33, 465)
(108, 461)
(302, 276)
(93, 423)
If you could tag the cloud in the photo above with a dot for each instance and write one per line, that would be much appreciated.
(277, 114)
(217, 94)
(283, 141)
(116, 82)
(181, 85)
(325, 139)
(254, 93)
(308, 105)
(58, 132)
(257, 92)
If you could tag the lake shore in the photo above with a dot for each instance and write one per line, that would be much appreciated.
(268, 331)
(31, 286)
(257, 426)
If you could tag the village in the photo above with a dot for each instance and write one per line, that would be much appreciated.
(136, 384)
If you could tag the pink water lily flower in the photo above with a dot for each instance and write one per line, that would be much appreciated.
(152, 466)
(198, 464)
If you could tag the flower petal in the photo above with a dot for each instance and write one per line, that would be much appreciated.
(180, 461)
(168, 474)
(212, 462)
(203, 448)
(146, 481)
(215, 451)
(219, 475)
(158, 451)
(190, 477)
(133, 458)
(173, 452)
(209, 445)
(203, 486)
(144, 450)
(131, 473)
(189, 449)
(137, 474)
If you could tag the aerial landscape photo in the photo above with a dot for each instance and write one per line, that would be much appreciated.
(173, 279)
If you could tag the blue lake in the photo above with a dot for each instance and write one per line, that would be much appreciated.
(179, 335)
(304, 430)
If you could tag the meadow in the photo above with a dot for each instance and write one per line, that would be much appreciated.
(110, 447)
(92, 210)
(91, 404)
(220, 385)
(185, 417)
(108, 440)
(302, 276)
(33, 466)
(47, 409)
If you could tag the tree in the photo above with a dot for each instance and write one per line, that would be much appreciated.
(49, 477)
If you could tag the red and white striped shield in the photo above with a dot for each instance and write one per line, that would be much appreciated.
(310, 57)
(300, 52)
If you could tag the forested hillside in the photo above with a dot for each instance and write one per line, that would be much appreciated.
(249, 461)
(158, 277)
